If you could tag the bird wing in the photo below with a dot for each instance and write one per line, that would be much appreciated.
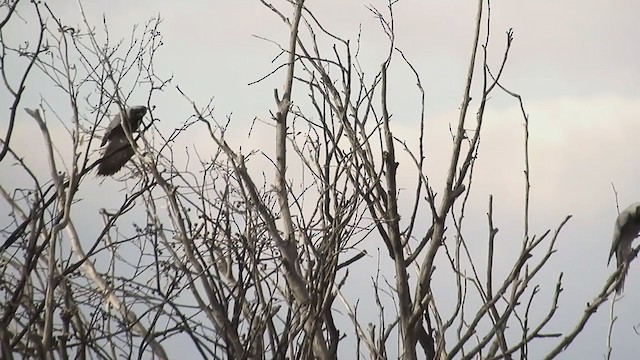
(116, 155)
(113, 125)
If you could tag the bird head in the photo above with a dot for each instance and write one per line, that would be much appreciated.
(137, 112)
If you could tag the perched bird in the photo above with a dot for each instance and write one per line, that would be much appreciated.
(626, 229)
(119, 150)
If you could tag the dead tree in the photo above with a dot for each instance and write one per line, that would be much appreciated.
(251, 253)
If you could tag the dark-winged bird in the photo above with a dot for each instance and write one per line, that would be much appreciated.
(625, 231)
(119, 150)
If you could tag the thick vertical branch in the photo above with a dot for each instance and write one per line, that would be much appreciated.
(289, 252)
(47, 337)
(392, 219)
(449, 193)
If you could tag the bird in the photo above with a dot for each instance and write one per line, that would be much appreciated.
(119, 150)
(625, 230)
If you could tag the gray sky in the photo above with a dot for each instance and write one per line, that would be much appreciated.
(575, 63)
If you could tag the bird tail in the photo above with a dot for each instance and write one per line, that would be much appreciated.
(621, 278)
(116, 155)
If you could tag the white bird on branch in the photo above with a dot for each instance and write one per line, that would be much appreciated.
(626, 229)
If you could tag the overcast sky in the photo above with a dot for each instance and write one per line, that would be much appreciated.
(576, 64)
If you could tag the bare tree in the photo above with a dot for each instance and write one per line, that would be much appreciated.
(240, 263)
